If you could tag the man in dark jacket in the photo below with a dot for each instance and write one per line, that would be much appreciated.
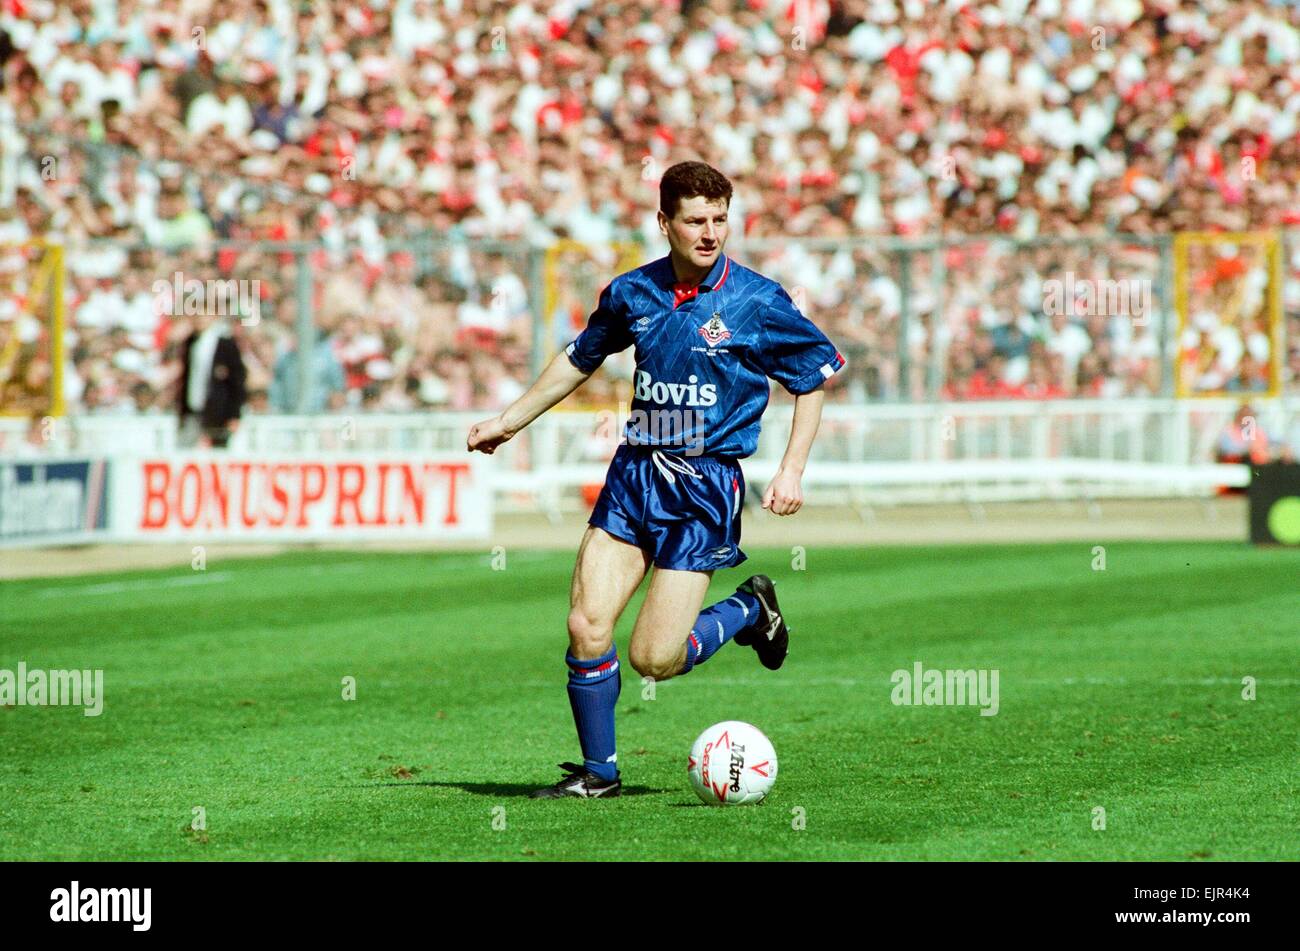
(212, 389)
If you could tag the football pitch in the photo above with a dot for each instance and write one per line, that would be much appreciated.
(225, 732)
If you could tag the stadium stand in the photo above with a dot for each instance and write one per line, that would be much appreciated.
(403, 136)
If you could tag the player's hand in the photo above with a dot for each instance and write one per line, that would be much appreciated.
(784, 496)
(484, 437)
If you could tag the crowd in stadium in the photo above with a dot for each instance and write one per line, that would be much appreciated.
(139, 133)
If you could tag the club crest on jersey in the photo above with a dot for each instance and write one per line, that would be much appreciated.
(715, 331)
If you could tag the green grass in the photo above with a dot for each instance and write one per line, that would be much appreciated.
(1119, 688)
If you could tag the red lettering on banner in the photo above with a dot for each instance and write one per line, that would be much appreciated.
(190, 473)
(381, 517)
(308, 496)
(453, 469)
(245, 490)
(412, 494)
(349, 495)
(157, 479)
(279, 494)
(220, 494)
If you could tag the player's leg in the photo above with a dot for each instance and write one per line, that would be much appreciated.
(660, 639)
(607, 573)
(673, 636)
(750, 615)
(697, 530)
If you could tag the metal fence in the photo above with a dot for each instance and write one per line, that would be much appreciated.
(450, 323)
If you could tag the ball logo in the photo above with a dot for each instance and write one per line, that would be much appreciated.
(737, 764)
(690, 393)
(715, 331)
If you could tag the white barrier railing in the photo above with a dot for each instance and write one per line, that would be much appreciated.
(881, 452)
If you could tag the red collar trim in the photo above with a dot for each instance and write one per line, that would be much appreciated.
(683, 292)
(726, 269)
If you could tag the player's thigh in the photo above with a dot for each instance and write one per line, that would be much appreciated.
(671, 607)
(607, 573)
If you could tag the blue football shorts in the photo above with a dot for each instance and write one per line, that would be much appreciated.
(683, 510)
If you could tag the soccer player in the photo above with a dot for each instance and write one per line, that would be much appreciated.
(708, 334)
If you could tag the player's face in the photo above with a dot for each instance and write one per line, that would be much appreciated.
(698, 232)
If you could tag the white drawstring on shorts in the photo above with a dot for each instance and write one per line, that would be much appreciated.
(666, 463)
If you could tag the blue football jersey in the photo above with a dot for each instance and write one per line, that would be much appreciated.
(704, 354)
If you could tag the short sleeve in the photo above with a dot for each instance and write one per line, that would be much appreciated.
(606, 333)
(795, 352)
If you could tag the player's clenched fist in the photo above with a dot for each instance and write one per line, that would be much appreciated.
(784, 496)
(487, 435)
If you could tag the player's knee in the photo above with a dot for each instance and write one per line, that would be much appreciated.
(655, 666)
(587, 636)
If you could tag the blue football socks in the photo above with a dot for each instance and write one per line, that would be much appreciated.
(717, 624)
(593, 693)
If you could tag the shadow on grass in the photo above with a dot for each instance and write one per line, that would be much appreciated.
(504, 789)
(700, 804)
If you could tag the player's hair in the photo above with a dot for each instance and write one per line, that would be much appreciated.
(689, 179)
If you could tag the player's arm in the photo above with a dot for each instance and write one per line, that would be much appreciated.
(606, 333)
(796, 354)
(784, 495)
(558, 380)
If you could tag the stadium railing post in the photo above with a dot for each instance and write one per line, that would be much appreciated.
(904, 393)
(1168, 352)
(938, 354)
(306, 331)
(535, 258)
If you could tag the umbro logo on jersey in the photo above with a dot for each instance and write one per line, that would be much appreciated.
(643, 323)
(715, 331)
(722, 552)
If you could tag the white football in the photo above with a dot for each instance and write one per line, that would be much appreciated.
(732, 764)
